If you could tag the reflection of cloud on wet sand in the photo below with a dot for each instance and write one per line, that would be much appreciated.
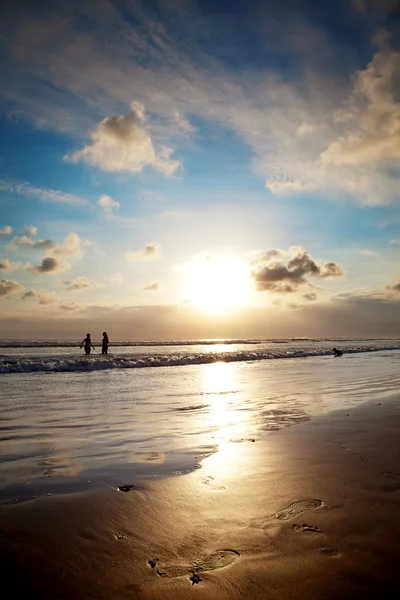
(57, 462)
(152, 457)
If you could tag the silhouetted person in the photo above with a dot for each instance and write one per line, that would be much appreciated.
(87, 342)
(104, 342)
(337, 352)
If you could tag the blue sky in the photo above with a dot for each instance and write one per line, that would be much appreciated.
(182, 168)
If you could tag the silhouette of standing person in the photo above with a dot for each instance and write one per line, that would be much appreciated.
(87, 342)
(104, 342)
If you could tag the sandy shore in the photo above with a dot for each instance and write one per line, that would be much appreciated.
(312, 511)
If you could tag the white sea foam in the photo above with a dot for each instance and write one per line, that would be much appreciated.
(187, 355)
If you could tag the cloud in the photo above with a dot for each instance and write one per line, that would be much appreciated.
(382, 6)
(66, 78)
(25, 189)
(151, 250)
(31, 230)
(81, 283)
(68, 306)
(359, 154)
(8, 287)
(311, 296)
(72, 246)
(183, 123)
(107, 204)
(114, 280)
(26, 242)
(395, 287)
(122, 143)
(287, 277)
(152, 287)
(7, 265)
(6, 230)
(49, 266)
(374, 116)
(330, 269)
(42, 296)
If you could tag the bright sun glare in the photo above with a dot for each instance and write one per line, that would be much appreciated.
(218, 284)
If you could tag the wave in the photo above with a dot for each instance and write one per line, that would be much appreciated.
(29, 364)
(154, 343)
(124, 343)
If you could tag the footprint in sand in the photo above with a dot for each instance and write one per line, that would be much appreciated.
(209, 482)
(210, 562)
(297, 508)
(305, 527)
(332, 552)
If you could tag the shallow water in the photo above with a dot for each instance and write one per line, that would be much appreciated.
(70, 431)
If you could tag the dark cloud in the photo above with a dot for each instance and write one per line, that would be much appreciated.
(311, 296)
(42, 297)
(395, 287)
(331, 269)
(152, 287)
(68, 306)
(49, 265)
(30, 294)
(286, 278)
(8, 286)
(151, 250)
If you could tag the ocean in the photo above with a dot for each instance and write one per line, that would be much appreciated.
(71, 422)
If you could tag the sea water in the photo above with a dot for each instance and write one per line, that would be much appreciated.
(71, 422)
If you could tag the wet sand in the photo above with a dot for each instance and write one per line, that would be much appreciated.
(311, 511)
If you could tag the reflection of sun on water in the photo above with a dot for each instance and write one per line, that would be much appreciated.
(217, 285)
(225, 414)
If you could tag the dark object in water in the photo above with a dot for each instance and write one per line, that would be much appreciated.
(337, 352)
(125, 488)
(152, 563)
(195, 578)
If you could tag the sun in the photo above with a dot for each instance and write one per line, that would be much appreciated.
(218, 284)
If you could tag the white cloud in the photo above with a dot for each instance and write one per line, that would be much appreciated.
(31, 230)
(49, 266)
(72, 246)
(5, 230)
(7, 265)
(359, 154)
(183, 123)
(81, 283)
(151, 250)
(26, 242)
(24, 189)
(295, 129)
(8, 287)
(122, 143)
(107, 203)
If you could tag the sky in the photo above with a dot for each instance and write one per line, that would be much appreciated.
(180, 169)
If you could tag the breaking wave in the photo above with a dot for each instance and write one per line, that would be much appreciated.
(69, 363)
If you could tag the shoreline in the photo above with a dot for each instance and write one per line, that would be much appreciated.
(308, 511)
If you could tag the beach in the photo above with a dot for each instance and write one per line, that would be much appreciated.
(286, 482)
